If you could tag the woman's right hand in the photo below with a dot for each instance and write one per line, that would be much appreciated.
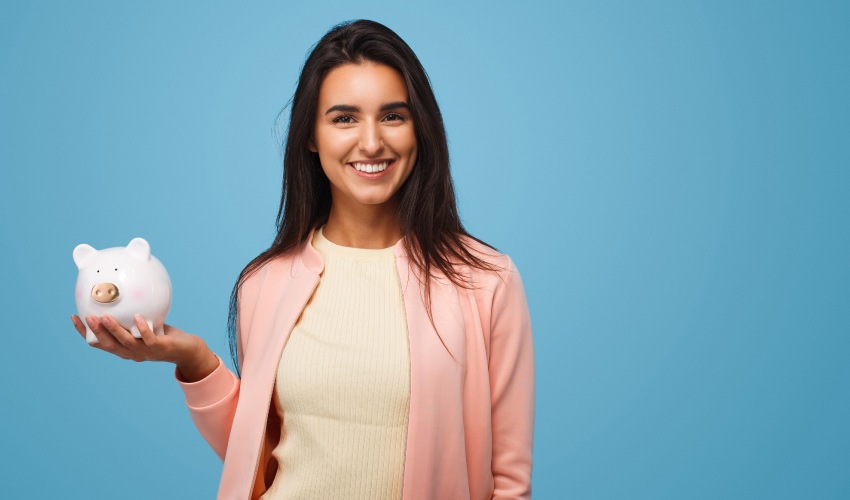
(189, 352)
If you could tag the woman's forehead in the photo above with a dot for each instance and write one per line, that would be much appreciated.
(366, 85)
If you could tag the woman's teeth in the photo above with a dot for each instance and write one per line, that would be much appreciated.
(369, 168)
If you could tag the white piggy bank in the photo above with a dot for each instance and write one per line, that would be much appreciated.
(122, 282)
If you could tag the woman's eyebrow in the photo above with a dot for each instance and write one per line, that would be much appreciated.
(343, 107)
(395, 105)
(347, 108)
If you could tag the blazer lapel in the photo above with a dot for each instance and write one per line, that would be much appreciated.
(432, 470)
(287, 289)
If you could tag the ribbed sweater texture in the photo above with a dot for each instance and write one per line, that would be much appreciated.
(343, 383)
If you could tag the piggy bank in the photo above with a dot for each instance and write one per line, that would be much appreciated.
(122, 282)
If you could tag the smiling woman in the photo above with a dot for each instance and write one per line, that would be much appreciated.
(381, 351)
(365, 139)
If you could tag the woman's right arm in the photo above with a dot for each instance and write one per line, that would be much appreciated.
(211, 390)
(212, 400)
(212, 404)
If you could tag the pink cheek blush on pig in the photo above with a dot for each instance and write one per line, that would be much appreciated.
(122, 282)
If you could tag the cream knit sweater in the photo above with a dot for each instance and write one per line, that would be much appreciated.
(343, 383)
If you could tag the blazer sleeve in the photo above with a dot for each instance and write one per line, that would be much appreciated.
(511, 367)
(212, 405)
(212, 400)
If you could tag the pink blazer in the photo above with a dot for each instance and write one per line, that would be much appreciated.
(471, 419)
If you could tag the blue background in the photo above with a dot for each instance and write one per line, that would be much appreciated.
(671, 179)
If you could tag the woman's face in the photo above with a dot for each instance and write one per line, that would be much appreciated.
(364, 133)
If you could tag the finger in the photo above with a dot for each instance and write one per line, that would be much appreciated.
(170, 331)
(78, 325)
(148, 337)
(107, 340)
(120, 333)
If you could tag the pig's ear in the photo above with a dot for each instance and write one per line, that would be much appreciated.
(83, 253)
(139, 248)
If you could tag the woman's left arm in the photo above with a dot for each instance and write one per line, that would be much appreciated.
(511, 388)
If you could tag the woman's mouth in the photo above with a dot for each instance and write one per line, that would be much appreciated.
(372, 170)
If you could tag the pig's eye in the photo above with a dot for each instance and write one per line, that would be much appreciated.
(98, 270)
(116, 268)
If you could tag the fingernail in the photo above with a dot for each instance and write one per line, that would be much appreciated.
(138, 317)
(105, 320)
(89, 320)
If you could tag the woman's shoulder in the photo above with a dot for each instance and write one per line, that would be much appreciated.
(275, 265)
(498, 283)
(497, 265)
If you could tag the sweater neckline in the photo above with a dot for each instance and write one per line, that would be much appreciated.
(329, 248)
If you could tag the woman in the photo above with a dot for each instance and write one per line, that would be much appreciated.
(383, 352)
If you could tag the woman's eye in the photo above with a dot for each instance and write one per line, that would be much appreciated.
(394, 117)
(343, 119)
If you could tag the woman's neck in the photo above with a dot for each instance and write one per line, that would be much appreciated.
(368, 227)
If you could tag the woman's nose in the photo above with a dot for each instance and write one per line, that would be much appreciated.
(371, 142)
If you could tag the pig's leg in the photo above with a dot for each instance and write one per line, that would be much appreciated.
(90, 338)
(135, 331)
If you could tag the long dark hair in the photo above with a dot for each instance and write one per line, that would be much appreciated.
(430, 226)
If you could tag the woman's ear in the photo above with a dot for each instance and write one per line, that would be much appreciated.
(311, 145)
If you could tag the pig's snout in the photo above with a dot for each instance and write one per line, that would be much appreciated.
(104, 293)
